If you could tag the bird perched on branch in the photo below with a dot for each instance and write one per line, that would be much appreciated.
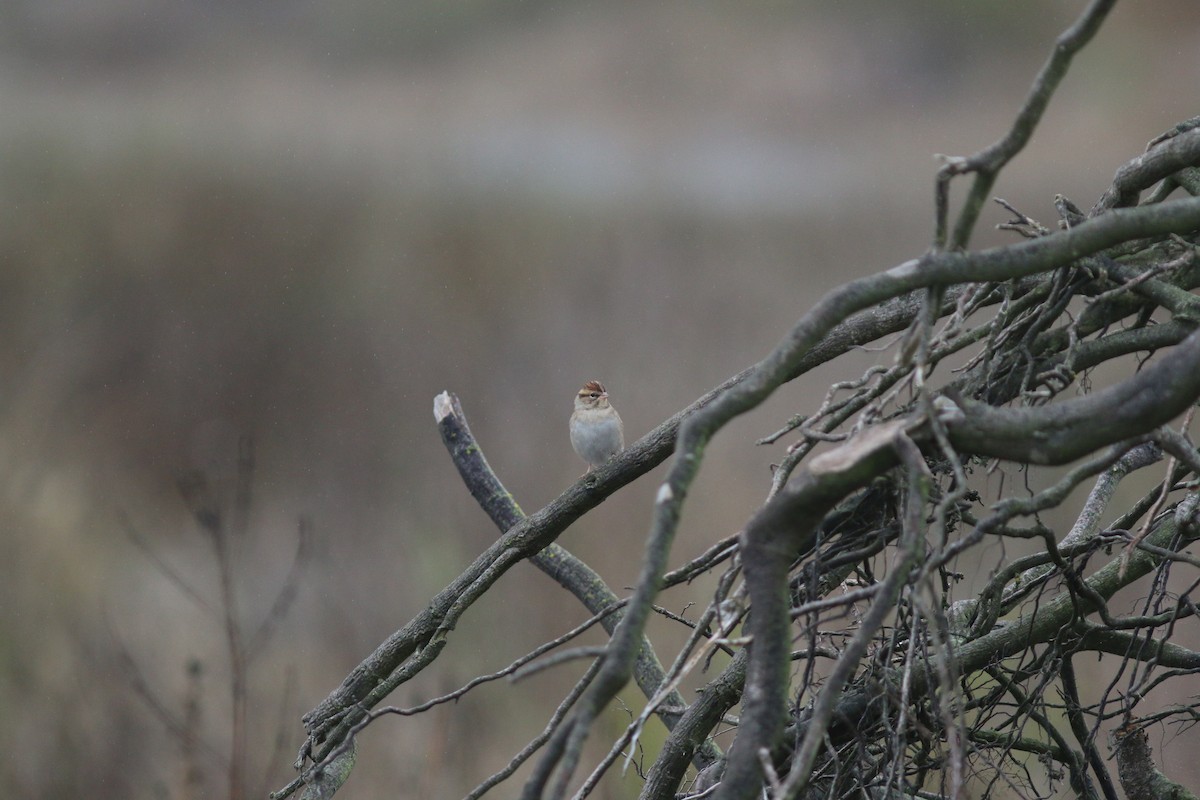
(596, 430)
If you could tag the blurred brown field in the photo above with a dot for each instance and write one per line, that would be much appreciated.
(299, 223)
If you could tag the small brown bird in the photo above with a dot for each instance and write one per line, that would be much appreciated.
(596, 430)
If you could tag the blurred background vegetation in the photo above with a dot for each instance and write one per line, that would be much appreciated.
(300, 221)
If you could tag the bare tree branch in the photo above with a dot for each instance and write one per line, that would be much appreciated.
(853, 556)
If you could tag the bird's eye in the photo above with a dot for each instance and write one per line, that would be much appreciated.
(594, 395)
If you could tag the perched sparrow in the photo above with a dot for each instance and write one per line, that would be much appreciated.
(596, 430)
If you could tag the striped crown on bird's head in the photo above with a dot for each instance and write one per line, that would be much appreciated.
(593, 388)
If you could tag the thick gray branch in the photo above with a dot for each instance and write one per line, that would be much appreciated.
(1140, 779)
